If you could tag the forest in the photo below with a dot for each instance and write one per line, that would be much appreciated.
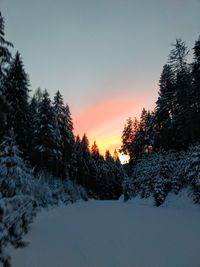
(43, 163)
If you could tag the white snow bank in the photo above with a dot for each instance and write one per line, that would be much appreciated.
(183, 200)
(112, 234)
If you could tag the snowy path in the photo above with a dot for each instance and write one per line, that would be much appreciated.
(112, 234)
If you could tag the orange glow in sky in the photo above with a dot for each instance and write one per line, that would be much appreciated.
(104, 120)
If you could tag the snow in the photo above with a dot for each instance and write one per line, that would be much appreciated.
(114, 234)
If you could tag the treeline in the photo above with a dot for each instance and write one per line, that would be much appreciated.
(174, 124)
(161, 140)
(42, 131)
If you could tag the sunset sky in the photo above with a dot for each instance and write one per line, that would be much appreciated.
(105, 56)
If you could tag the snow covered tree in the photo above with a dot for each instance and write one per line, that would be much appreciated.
(127, 137)
(181, 124)
(47, 139)
(163, 180)
(95, 155)
(165, 110)
(4, 109)
(141, 142)
(15, 176)
(65, 126)
(16, 91)
(38, 95)
(193, 171)
(113, 175)
(85, 164)
(5, 54)
(195, 101)
(5, 57)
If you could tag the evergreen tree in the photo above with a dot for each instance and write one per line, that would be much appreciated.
(113, 176)
(195, 116)
(65, 126)
(70, 140)
(193, 171)
(34, 109)
(5, 57)
(84, 174)
(77, 153)
(163, 181)
(38, 95)
(181, 123)
(15, 176)
(5, 54)
(47, 140)
(115, 155)
(119, 173)
(165, 110)
(94, 148)
(95, 152)
(108, 157)
(16, 91)
(4, 109)
(127, 137)
(142, 138)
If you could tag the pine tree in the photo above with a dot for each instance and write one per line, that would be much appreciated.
(4, 109)
(5, 54)
(47, 140)
(195, 116)
(108, 157)
(76, 158)
(113, 175)
(94, 148)
(85, 164)
(193, 171)
(163, 180)
(127, 137)
(115, 155)
(181, 123)
(141, 142)
(70, 140)
(95, 151)
(16, 91)
(65, 126)
(119, 173)
(5, 57)
(165, 110)
(15, 176)
(38, 95)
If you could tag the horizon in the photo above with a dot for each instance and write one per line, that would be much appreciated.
(99, 55)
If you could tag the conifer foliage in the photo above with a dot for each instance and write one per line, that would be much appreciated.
(15, 176)
(47, 140)
(16, 92)
(5, 57)
(161, 141)
(173, 125)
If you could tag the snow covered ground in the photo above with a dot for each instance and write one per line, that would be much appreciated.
(114, 234)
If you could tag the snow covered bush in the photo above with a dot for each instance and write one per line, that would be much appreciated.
(193, 171)
(158, 174)
(16, 214)
(50, 190)
(41, 191)
(15, 176)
